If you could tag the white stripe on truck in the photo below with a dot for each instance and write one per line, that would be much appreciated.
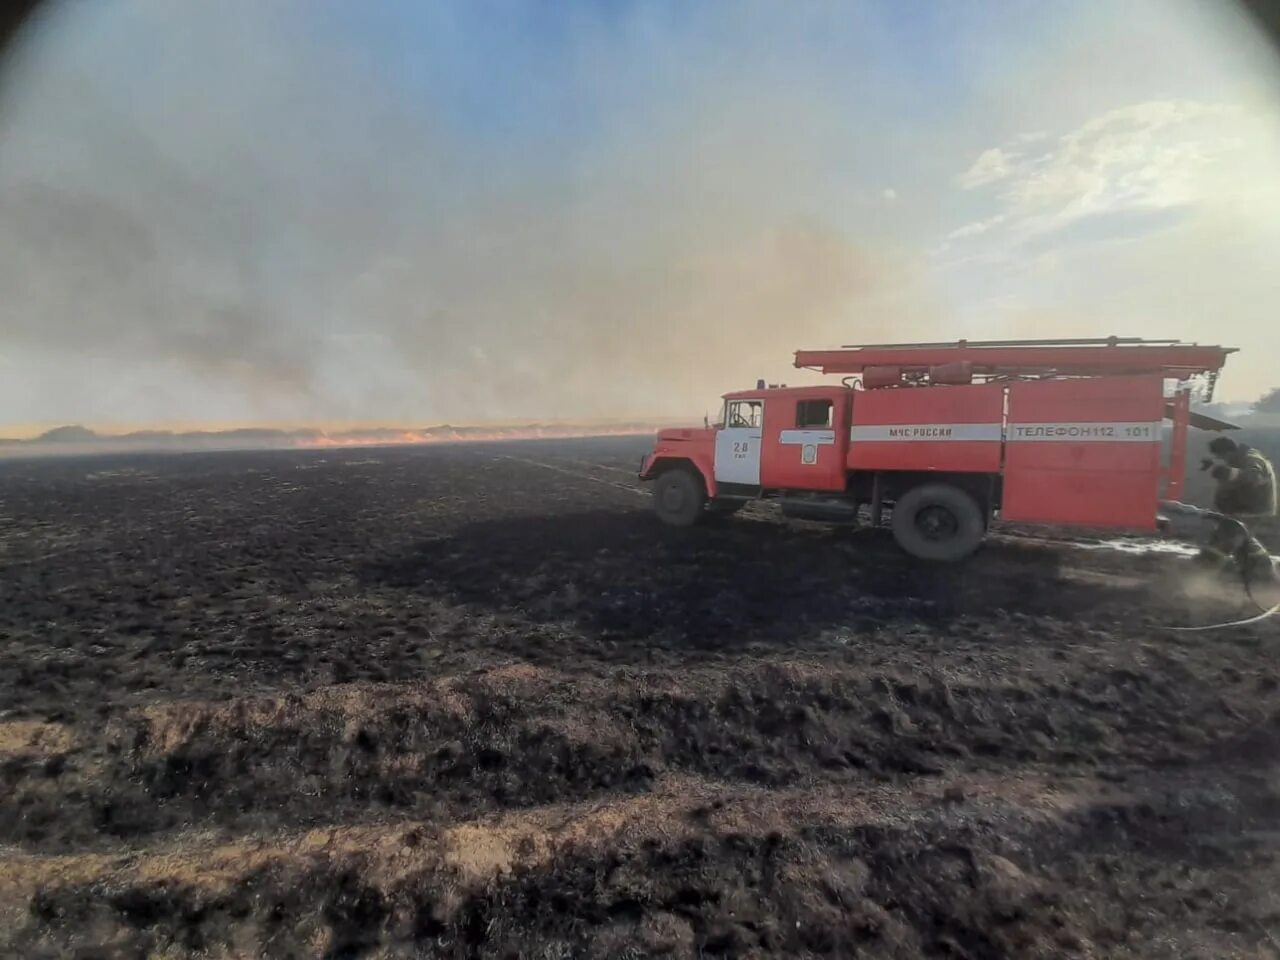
(1135, 431)
(932, 432)
(807, 436)
(1129, 431)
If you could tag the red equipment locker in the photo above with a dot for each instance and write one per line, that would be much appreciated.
(951, 428)
(1084, 451)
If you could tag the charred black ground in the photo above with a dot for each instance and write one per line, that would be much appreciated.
(474, 701)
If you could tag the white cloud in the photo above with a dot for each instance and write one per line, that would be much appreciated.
(992, 165)
(975, 229)
(1144, 155)
(1118, 170)
(1149, 219)
(890, 194)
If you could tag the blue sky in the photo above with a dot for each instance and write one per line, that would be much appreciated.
(444, 211)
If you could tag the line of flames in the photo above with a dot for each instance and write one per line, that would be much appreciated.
(406, 437)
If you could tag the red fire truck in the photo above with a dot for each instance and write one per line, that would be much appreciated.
(950, 435)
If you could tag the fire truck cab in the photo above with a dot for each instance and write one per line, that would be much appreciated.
(949, 436)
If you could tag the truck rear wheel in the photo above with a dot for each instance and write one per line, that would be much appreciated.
(937, 521)
(678, 497)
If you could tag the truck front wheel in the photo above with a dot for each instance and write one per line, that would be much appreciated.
(678, 497)
(937, 521)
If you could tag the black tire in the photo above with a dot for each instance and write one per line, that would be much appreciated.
(937, 521)
(678, 497)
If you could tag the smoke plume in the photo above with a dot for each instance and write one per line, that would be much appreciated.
(261, 208)
(464, 212)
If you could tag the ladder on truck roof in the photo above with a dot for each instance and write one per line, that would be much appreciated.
(1065, 342)
(996, 358)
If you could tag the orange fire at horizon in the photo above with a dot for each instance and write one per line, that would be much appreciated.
(468, 436)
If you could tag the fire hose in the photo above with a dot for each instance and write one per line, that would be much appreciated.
(1189, 522)
(1246, 581)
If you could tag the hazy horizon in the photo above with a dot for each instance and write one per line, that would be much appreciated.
(501, 212)
(29, 431)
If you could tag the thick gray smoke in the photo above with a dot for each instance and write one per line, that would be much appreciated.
(291, 211)
(255, 208)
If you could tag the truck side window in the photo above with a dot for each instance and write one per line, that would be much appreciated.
(745, 413)
(813, 414)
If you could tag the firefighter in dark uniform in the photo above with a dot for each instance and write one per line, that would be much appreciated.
(1246, 491)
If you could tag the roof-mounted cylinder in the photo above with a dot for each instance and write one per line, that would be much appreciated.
(957, 373)
(876, 377)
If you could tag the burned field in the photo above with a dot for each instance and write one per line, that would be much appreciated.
(474, 701)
